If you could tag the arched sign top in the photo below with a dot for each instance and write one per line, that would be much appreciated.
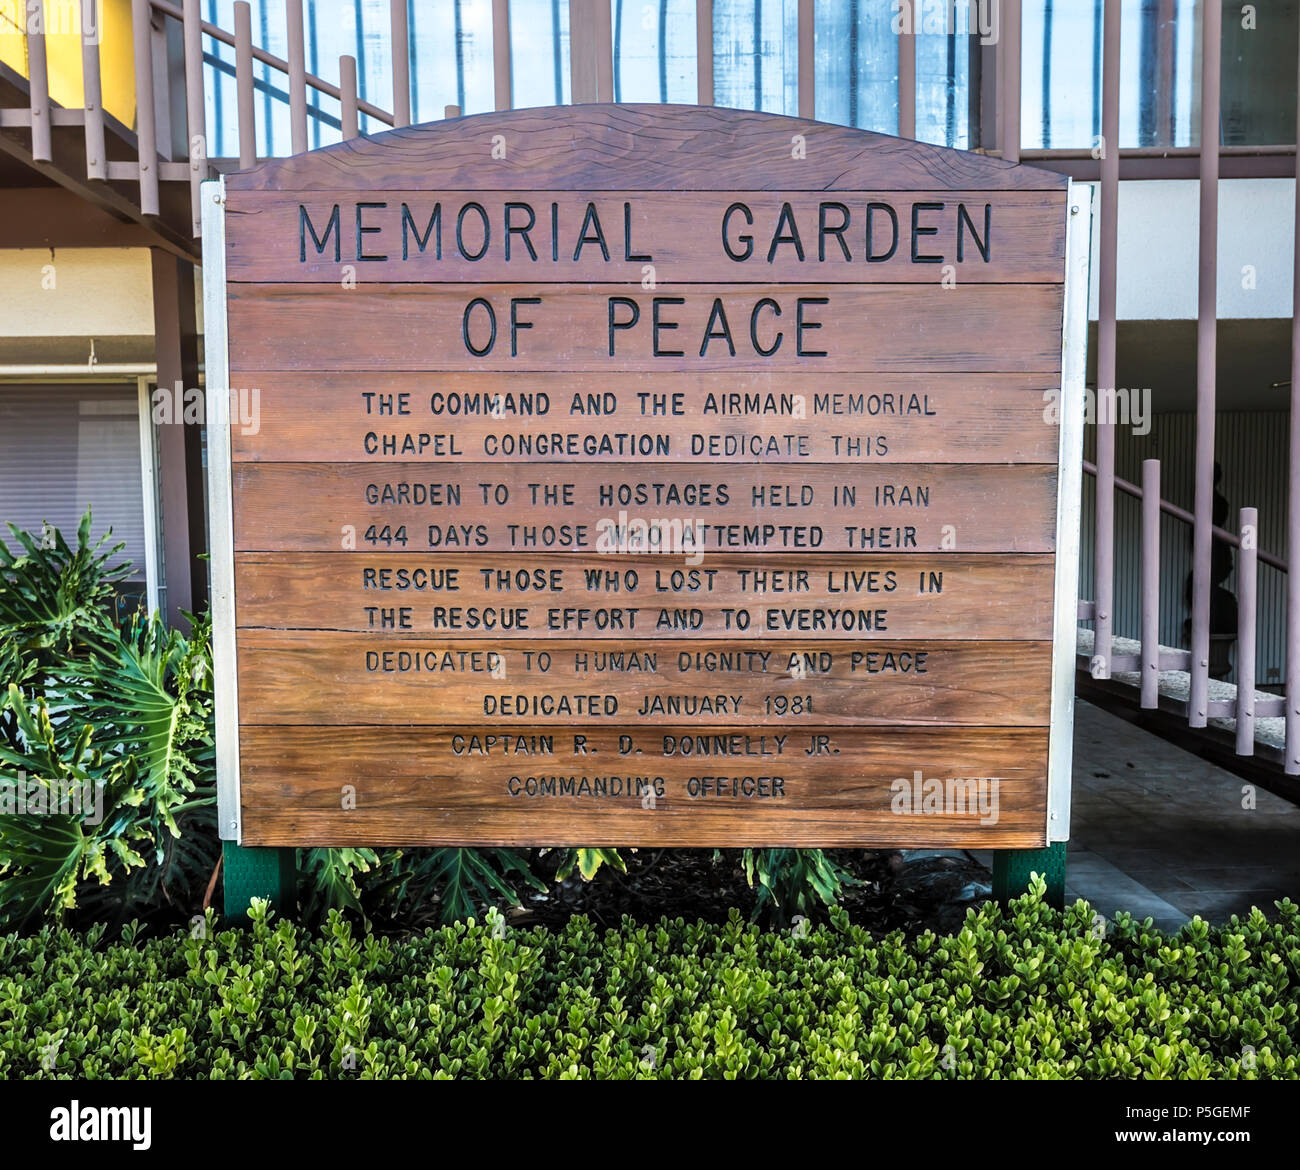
(608, 147)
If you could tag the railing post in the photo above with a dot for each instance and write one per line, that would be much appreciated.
(1198, 698)
(92, 103)
(907, 78)
(145, 134)
(1103, 590)
(1010, 52)
(704, 52)
(38, 82)
(192, 35)
(401, 47)
(591, 52)
(503, 97)
(244, 84)
(297, 77)
(1292, 702)
(807, 61)
(1247, 594)
(348, 96)
(1150, 681)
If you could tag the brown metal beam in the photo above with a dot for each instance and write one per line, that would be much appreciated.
(52, 217)
(1134, 166)
(1206, 359)
(1104, 556)
(68, 170)
(180, 444)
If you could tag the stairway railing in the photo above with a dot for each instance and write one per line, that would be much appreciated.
(153, 163)
(1152, 659)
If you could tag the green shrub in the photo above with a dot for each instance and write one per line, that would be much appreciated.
(1024, 993)
(122, 710)
(128, 708)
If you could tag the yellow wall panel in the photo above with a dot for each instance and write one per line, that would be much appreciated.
(63, 51)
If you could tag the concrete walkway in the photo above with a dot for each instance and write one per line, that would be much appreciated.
(1162, 833)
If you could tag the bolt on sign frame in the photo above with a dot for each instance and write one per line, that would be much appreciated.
(645, 475)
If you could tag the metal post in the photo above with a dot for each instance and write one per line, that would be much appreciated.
(807, 61)
(1247, 593)
(1293, 511)
(92, 100)
(297, 77)
(38, 82)
(1206, 355)
(145, 134)
(1104, 563)
(249, 873)
(401, 49)
(907, 79)
(1011, 81)
(704, 52)
(591, 52)
(1150, 681)
(180, 444)
(192, 33)
(348, 96)
(1014, 869)
(244, 85)
(503, 89)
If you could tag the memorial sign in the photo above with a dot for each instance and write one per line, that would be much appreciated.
(646, 476)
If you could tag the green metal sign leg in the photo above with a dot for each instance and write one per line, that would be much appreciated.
(259, 873)
(1012, 870)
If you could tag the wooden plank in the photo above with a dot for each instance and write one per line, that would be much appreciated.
(830, 328)
(315, 507)
(322, 678)
(689, 416)
(906, 596)
(832, 786)
(848, 237)
(641, 146)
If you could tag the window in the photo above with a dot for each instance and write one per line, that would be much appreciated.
(64, 449)
(1160, 73)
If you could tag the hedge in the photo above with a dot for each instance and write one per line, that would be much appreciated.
(1025, 992)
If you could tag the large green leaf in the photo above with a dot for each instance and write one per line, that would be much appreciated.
(45, 855)
(463, 880)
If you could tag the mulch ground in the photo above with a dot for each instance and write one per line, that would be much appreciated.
(891, 890)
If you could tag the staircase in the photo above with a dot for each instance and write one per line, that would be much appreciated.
(1238, 726)
(149, 173)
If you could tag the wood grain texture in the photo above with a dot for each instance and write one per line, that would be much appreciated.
(862, 328)
(607, 147)
(323, 508)
(332, 417)
(495, 786)
(980, 597)
(685, 236)
(310, 677)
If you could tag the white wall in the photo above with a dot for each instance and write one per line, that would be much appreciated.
(1159, 222)
(75, 292)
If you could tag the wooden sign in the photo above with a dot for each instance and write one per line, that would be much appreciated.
(645, 475)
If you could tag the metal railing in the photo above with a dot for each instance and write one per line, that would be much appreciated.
(1153, 657)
